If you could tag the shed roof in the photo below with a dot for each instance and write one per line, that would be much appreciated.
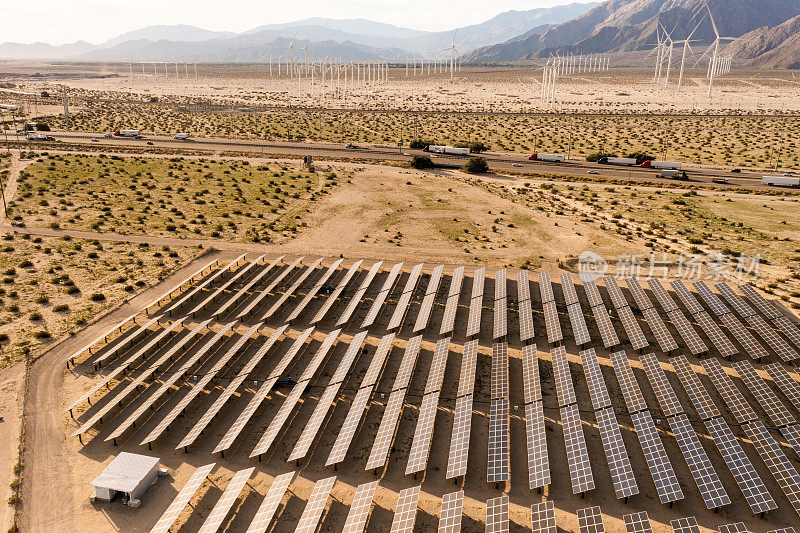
(125, 472)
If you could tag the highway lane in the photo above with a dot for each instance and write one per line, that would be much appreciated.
(503, 162)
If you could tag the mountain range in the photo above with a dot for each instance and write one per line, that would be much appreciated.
(359, 38)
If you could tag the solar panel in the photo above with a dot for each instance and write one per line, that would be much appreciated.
(780, 346)
(466, 381)
(736, 301)
(779, 466)
(407, 364)
(697, 393)
(607, 332)
(732, 397)
(660, 331)
(627, 383)
(686, 296)
(199, 288)
(753, 348)
(245, 290)
(310, 430)
(738, 527)
(266, 387)
(279, 420)
(639, 296)
(383, 439)
(498, 468)
(526, 331)
(530, 374)
(360, 508)
(592, 292)
(568, 288)
(348, 428)
(543, 517)
(314, 290)
(590, 520)
(476, 303)
(688, 334)
(312, 513)
(792, 436)
(662, 296)
(459, 440)
(226, 501)
(453, 295)
(334, 296)
(784, 530)
(359, 294)
(755, 493)
(685, 525)
(615, 293)
(264, 293)
(380, 298)
(768, 400)
(406, 510)
(594, 380)
(667, 485)
(658, 381)
(182, 499)
(546, 288)
(580, 467)
(225, 286)
(420, 446)
(189, 280)
(500, 328)
(637, 523)
(536, 437)
(451, 513)
(427, 301)
(579, 329)
(632, 329)
(269, 506)
(788, 328)
(619, 464)
(551, 323)
(497, 515)
(438, 364)
(563, 378)
(198, 387)
(499, 381)
(788, 385)
(405, 298)
(720, 341)
(762, 304)
(708, 482)
(711, 299)
(111, 331)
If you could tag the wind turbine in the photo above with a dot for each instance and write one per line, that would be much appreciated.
(683, 56)
(452, 49)
(291, 56)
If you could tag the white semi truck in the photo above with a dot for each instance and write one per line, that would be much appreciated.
(781, 181)
(181, 136)
(553, 158)
(673, 165)
(128, 133)
(448, 150)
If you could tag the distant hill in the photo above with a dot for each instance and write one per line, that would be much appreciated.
(354, 26)
(177, 32)
(624, 25)
(43, 50)
(777, 47)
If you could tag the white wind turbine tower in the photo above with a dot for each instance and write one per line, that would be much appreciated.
(452, 49)
(291, 57)
(713, 63)
(686, 47)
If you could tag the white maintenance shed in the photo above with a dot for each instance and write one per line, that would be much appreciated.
(129, 473)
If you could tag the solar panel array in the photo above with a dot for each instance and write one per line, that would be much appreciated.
(578, 323)
(769, 401)
(637, 523)
(563, 378)
(182, 499)
(665, 394)
(406, 510)
(594, 380)
(688, 334)
(662, 296)
(476, 302)
(639, 296)
(635, 335)
(498, 468)
(753, 489)
(546, 288)
(531, 382)
(686, 296)
(787, 384)
(536, 436)
(314, 290)
(731, 395)
(738, 527)
(262, 294)
(337, 292)
(592, 292)
(617, 458)
(711, 299)
(590, 520)
(792, 436)
(735, 301)
(697, 393)
(720, 341)
(664, 338)
(359, 294)
(607, 332)
(615, 293)
(288, 293)
(667, 485)
(500, 329)
(315, 506)
(685, 525)
(551, 323)
(788, 328)
(245, 291)
(459, 440)
(780, 346)
(708, 482)
(779, 466)
(568, 288)
(383, 294)
(497, 515)
(226, 501)
(580, 467)
(269, 505)
(526, 330)
(634, 399)
(405, 298)
(453, 295)
(426, 307)
(361, 508)
(451, 513)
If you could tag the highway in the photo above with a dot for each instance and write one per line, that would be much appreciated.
(502, 162)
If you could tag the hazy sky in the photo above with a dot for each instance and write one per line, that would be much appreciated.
(63, 21)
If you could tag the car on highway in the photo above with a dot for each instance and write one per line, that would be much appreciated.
(736, 171)
(350, 145)
(95, 140)
(592, 172)
(149, 143)
(723, 181)
(108, 136)
(516, 165)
